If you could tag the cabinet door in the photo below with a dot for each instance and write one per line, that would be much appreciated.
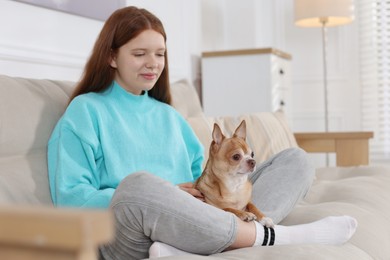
(235, 85)
(245, 81)
(280, 83)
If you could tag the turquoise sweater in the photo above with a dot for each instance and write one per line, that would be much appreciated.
(103, 137)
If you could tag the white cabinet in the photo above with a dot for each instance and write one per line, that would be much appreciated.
(245, 81)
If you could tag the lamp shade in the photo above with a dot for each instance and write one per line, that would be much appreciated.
(317, 13)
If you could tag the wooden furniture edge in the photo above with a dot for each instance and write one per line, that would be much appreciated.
(351, 148)
(274, 51)
(39, 232)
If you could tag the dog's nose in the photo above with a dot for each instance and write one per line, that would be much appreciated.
(252, 163)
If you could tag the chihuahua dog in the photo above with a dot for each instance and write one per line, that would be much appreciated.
(224, 182)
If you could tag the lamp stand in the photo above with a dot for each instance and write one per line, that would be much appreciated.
(324, 21)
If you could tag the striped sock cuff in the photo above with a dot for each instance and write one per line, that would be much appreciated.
(269, 236)
(272, 240)
(265, 241)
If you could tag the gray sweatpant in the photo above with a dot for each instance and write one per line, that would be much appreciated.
(147, 208)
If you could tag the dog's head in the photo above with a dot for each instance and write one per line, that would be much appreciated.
(231, 155)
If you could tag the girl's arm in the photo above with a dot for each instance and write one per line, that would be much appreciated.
(74, 168)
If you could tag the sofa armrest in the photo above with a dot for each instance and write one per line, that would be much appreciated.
(351, 148)
(52, 233)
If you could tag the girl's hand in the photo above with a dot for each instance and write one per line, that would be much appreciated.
(189, 187)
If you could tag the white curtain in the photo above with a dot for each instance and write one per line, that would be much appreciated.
(374, 40)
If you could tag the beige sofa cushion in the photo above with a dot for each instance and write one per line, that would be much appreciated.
(185, 99)
(29, 109)
(267, 133)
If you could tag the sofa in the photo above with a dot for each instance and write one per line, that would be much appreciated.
(31, 228)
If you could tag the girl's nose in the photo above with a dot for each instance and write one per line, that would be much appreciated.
(151, 63)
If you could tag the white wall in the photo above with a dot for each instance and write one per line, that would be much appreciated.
(42, 43)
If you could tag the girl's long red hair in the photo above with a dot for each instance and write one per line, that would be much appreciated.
(122, 26)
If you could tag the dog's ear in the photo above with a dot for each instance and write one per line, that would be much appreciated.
(241, 130)
(217, 134)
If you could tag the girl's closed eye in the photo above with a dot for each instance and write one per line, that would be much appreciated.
(139, 54)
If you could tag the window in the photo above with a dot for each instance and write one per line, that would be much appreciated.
(374, 38)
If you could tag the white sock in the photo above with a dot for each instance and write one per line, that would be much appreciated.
(159, 249)
(328, 231)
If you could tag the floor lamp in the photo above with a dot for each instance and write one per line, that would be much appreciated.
(323, 13)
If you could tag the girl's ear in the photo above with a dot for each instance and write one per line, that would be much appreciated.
(112, 60)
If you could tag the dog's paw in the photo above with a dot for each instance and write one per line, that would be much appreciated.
(265, 221)
(247, 216)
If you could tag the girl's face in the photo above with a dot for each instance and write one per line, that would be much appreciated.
(139, 62)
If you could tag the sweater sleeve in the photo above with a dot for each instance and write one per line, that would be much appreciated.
(195, 148)
(197, 164)
(73, 173)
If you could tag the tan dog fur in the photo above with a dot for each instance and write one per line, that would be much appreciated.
(224, 181)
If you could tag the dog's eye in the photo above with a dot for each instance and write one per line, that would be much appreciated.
(236, 157)
(252, 154)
